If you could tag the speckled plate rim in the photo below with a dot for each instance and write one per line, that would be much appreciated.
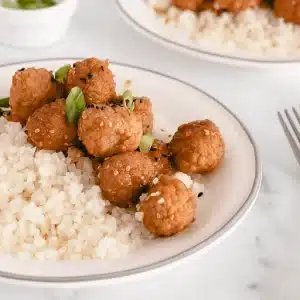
(205, 244)
(203, 54)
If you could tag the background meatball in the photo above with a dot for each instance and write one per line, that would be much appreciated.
(31, 88)
(48, 127)
(159, 153)
(197, 147)
(123, 177)
(143, 108)
(289, 10)
(108, 130)
(188, 4)
(169, 208)
(94, 78)
(235, 5)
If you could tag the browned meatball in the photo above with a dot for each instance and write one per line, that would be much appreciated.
(143, 108)
(235, 6)
(188, 4)
(197, 147)
(159, 154)
(48, 127)
(123, 177)
(94, 78)
(30, 89)
(289, 10)
(108, 130)
(169, 208)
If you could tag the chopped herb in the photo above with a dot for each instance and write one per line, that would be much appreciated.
(128, 100)
(146, 142)
(61, 73)
(75, 105)
(4, 102)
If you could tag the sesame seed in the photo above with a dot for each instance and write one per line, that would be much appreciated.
(101, 123)
(116, 172)
(127, 168)
(109, 124)
(37, 130)
(155, 180)
(161, 201)
(170, 135)
(21, 70)
(200, 194)
(158, 216)
(84, 116)
(155, 194)
(90, 75)
(206, 132)
(52, 131)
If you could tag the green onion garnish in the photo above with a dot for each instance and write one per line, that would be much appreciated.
(75, 105)
(4, 102)
(128, 100)
(61, 73)
(146, 142)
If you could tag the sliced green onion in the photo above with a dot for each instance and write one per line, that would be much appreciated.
(75, 105)
(128, 100)
(146, 142)
(61, 73)
(4, 102)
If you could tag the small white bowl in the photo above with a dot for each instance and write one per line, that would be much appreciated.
(35, 28)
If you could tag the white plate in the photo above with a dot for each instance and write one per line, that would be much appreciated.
(141, 17)
(231, 190)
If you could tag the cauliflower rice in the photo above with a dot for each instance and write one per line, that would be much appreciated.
(52, 210)
(255, 32)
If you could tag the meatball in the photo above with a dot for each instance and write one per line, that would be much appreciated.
(169, 208)
(123, 177)
(235, 6)
(194, 5)
(108, 130)
(48, 127)
(94, 78)
(159, 153)
(31, 88)
(197, 147)
(143, 108)
(289, 10)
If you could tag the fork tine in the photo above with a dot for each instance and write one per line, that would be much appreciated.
(290, 138)
(296, 131)
(296, 114)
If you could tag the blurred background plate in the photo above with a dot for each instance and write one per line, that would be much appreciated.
(139, 15)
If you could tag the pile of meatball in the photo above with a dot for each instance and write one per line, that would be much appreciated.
(110, 134)
(289, 10)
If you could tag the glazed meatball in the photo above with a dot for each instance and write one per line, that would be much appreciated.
(31, 88)
(197, 147)
(143, 108)
(123, 177)
(48, 127)
(159, 153)
(108, 130)
(169, 208)
(289, 10)
(188, 4)
(235, 6)
(94, 78)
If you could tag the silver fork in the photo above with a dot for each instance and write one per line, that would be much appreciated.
(293, 134)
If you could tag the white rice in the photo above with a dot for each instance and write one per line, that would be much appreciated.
(255, 32)
(50, 210)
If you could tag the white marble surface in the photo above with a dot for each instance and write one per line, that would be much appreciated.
(260, 260)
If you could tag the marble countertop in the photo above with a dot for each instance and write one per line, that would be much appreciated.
(260, 259)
